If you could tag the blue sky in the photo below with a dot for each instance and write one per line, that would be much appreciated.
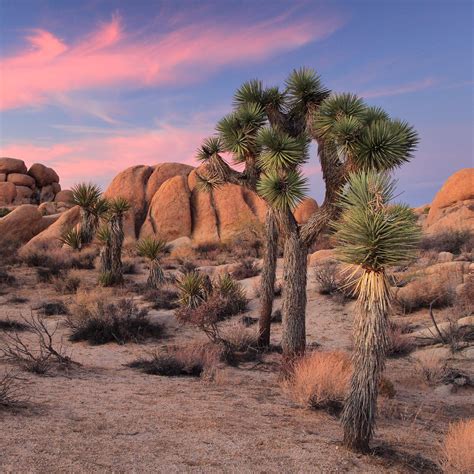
(93, 87)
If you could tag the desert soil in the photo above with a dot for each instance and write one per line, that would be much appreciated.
(106, 417)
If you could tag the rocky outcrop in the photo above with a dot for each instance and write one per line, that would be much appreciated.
(36, 185)
(20, 225)
(58, 224)
(453, 205)
(305, 210)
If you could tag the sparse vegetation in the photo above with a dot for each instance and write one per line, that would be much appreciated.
(458, 455)
(11, 391)
(453, 241)
(320, 380)
(247, 268)
(103, 322)
(327, 278)
(153, 250)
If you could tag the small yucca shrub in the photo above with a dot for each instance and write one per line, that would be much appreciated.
(193, 289)
(71, 238)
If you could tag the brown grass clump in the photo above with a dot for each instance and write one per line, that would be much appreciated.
(320, 380)
(454, 241)
(247, 268)
(458, 452)
(11, 391)
(399, 343)
(431, 367)
(67, 284)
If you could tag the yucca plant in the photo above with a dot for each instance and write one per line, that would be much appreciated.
(105, 256)
(117, 208)
(372, 234)
(86, 195)
(231, 291)
(71, 238)
(152, 249)
(193, 289)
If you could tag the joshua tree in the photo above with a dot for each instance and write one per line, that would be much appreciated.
(117, 209)
(87, 196)
(153, 249)
(372, 234)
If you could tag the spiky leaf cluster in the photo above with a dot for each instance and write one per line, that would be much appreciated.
(72, 238)
(371, 231)
(119, 206)
(152, 248)
(85, 195)
(104, 234)
(192, 289)
(210, 146)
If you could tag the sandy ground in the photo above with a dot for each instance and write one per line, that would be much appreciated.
(106, 417)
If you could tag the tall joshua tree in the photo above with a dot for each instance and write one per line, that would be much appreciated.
(372, 235)
(87, 196)
(152, 249)
(105, 255)
(117, 210)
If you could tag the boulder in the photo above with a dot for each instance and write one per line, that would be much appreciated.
(59, 223)
(20, 225)
(43, 175)
(56, 188)
(12, 165)
(48, 208)
(305, 210)
(179, 243)
(161, 173)
(46, 194)
(445, 257)
(3, 177)
(23, 195)
(21, 180)
(64, 196)
(322, 256)
(256, 204)
(233, 212)
(169, 215)
(131, 185)
(453, 205)
(7, 193)
(204, 217)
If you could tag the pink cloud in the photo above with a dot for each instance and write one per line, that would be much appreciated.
(108, 56)
(99, 159)
(400, 89)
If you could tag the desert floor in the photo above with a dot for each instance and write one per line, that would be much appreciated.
(106, 417)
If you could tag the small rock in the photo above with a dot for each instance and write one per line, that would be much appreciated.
(444, 390)
(7, 193)
(445, 257)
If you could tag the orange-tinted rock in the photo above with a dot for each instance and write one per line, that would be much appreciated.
(7, 193)
(169, 215)
(21, 180)
(66, 221)
(46, 194)
(56, 188)
(3, 177)
(131, 185)
(23, 195)
(453, 205)
(161, 173)
(322, 256)
(43, 175)
(305, 210)
(233, 213)
(256, 203)
(204, 217)
(63, 196)
(12, 165)
(20, 225)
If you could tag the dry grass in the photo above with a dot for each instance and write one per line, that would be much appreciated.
(320, 380)
(67, 284)
(458, 452)
(430, 367)
(11, 391)
(399, 343)
(247, 268)
(454, 241)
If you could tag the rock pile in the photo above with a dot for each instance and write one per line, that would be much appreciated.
(19, 185)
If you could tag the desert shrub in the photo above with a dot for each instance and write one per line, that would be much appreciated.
(431, 367)
(161, 298)
(6, 278)
(399, 342)
(56, 259)
(66, 284)
(193, 289)
(210, 250)
(386, 388)
(52, 308)
(4, 211)
(39, 356)
(320, 380)
(454, 241)
(129, 266)
(192, 360)
(71, 238)
(11, 391)
(48, 275)
(232, 293)
(247, 268)
(14, 299)
(434, 290)
(464, 301)
(239, 343)
(327, 278)
(247, 243)
(11, 325)
(104, 322)
(458, 455)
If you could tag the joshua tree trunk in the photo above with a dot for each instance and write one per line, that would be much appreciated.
(294, 289)
(116, 242)
(156, 277)
(267, 282)
(105, 259)
(370, 340)
(87, 226)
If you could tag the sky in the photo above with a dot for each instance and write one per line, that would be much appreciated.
(93, 87)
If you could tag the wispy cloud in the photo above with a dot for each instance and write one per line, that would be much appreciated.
(49, 67)
(400, 89)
